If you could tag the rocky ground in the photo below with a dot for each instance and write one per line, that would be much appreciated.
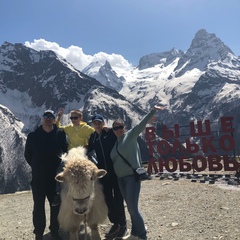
(172, 209)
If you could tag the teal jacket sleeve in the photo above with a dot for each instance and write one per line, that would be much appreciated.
(136, 130)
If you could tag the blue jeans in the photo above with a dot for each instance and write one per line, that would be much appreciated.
(130, 189)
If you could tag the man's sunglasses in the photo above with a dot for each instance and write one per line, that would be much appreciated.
(48, 117)
(74, 118)
(117, 128)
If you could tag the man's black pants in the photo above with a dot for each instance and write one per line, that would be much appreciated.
(114, 200)
(42, 189)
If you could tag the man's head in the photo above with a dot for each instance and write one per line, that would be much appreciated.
(49, 114)
(98, 122)
(48, 118)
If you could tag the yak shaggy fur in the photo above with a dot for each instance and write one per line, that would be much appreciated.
(82, 198)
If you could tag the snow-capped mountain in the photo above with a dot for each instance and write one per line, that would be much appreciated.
(32, 81)
(196, 84)
(160, 59)
(201, 83)
(172, 73)
(105, 75)
(205, 48)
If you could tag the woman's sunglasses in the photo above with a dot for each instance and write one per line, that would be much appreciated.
(118, 128)
(74, 118)
(48, 117)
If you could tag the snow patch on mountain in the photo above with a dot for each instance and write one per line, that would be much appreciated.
(14, 171)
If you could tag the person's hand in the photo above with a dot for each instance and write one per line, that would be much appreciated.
(159, 107)
(60, 112)
(152, 120)
(106, 128)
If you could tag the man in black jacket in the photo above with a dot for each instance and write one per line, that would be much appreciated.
(43, 150)
(102, 142)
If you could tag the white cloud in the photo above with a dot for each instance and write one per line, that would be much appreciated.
(76, 56)
(72, 54)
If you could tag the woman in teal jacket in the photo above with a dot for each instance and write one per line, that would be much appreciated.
(128, 147)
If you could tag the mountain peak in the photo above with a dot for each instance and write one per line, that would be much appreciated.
(107, 65)
(202, 33)
(204, 49)
(202, 37)
(209, 42)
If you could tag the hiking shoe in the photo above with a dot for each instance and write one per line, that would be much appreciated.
(56, 200)
(131, 237)
(121, 233)
(113, 230)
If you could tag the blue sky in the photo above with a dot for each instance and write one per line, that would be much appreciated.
(131, 28)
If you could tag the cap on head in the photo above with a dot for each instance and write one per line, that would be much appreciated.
(97, 117)
(49, 112)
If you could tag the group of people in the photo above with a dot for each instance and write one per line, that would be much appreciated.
(49, 141)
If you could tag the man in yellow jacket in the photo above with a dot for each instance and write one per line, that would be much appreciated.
(78, 132)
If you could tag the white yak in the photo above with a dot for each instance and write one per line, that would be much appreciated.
(82, 199)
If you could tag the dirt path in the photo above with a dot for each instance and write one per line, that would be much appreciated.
(172, 210)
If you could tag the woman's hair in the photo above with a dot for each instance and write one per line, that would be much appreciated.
(119, 121)
(78, 112)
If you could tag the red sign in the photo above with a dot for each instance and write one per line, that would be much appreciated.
(204, 152)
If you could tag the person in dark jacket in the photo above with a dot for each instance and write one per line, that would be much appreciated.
(102, 142)
(43, 150)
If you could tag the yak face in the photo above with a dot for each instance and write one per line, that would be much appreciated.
(80, 177)
(82, 196)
